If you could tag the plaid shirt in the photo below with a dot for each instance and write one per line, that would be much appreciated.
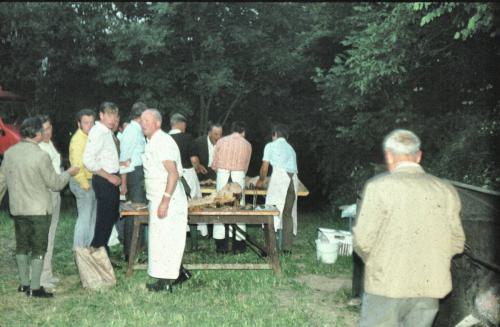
(233, 153)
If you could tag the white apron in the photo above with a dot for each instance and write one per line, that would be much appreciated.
(237, 176)
(167, 236)
(194, 184)
(276, 195)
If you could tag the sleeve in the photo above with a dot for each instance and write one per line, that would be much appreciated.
(457, 231)
(215, 162)
(267, 153)
(94, 144)
(191, 146)
(127, 144)
(369, 220)
(52, 180)
(76, 149)
(249, 156)
(166, 150)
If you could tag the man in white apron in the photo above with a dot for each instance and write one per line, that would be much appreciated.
(231, 160)
(187, 148)
(283, 186)
(167, 204)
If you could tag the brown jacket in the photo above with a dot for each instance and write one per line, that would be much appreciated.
(30, 176)
(408, 228)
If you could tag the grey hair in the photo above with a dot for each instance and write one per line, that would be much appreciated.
(177, 118)
(156, 113)
(402, 142)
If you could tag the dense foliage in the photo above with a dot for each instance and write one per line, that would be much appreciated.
(341, 74)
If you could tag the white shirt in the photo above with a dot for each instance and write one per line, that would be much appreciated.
(211, 148)
(55, 157)
(100, 151)
(159, 148)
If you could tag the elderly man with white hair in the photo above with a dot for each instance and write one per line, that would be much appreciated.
(407, 231)
(167, 204)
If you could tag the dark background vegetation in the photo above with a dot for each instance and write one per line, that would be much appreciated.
(341, 75)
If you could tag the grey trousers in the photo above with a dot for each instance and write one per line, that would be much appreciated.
(86, 207)
(47, 260)
(405, 312)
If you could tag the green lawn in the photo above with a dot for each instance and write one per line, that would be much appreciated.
(301, 296)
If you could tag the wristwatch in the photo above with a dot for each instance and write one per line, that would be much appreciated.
(167, 195)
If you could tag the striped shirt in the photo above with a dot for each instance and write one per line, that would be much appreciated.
(233, 153)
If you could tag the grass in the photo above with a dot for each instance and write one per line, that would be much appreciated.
(210, 298)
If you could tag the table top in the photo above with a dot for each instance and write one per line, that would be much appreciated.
(209, 189)
(127, 209)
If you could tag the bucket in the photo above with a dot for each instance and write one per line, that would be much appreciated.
(327, 252)
(344, 238)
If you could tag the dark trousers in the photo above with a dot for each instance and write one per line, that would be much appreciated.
(32, 234)
(108, 206)
(287, 216)
(136, 194)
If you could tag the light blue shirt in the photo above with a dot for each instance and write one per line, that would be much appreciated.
(132, 145)
(280, 154)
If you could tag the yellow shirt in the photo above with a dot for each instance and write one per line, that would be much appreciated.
(76, 149)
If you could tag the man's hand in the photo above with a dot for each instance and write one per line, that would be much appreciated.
(115, 180)
(163, 208)
(200, 169)
(73, 170)
(260, 184)
(125, 163)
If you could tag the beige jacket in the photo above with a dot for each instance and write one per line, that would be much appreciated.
(407, 230)
(29, 175)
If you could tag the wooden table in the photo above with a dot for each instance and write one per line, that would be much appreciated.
(214, 216)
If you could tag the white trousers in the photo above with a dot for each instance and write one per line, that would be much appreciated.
(222, 179)
(46, 277)
(167, 236)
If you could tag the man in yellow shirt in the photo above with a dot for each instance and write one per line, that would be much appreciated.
(81, 185)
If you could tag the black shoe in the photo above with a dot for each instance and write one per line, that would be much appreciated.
(286, 252)
(23, 288)
(160, 285)
(239, 247)
(221, 246)
(184, 275)
(39, 293)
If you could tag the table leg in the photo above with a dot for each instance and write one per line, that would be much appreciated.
(270, 237)
(133, 246)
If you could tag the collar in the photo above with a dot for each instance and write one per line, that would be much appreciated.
(175, 131)
(408, 166)
(102, 126)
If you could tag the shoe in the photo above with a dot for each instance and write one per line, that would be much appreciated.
(184, 275)
(286, 252)
(23, 288)
(159, 285)
(39, 293)
(221, 246)
(239, 247)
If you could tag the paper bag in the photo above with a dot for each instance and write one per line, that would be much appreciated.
(95, 268)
